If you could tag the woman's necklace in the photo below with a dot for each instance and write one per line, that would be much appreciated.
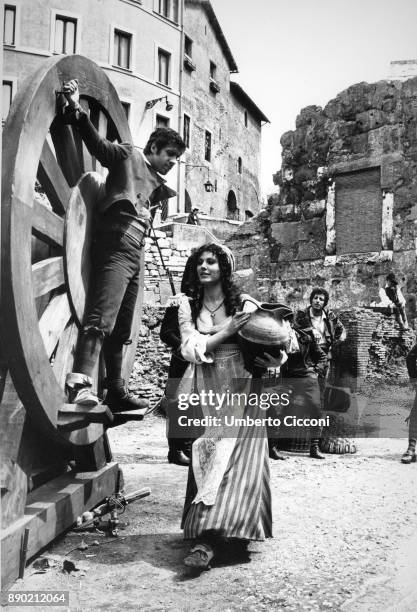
(213, 312)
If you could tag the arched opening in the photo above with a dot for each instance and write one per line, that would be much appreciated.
(232, 209)
(239, 165)
(187, 202)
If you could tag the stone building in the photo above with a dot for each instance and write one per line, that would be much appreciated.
(222, 125)
(346, 213)
(136, 42)
(162, 76)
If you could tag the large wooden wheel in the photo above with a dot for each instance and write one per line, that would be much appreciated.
(50, 185)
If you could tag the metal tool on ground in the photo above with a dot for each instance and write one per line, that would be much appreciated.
(113, 505)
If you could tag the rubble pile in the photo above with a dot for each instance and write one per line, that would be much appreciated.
(375, 348)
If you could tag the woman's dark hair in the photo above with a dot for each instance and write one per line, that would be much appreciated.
(320, 291)
(188, 277)
(164, 137)
(231, 293)
(391, 278)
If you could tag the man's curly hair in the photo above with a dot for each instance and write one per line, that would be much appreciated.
(320, 291)
(232, 300)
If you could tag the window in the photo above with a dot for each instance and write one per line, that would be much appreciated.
(122, 49)
(207, 146)
(358, 197)
(168, 9)
(186, 131)
(245, 116)
(7, 94)
(188, 46)
(65, 35)
(9, 26)
(214, 87)
(161, 121)
(188, 52)
(239, 165)
(126, 108)
(164, 61)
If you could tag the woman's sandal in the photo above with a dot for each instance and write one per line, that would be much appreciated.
(408, 457)
(199, 557)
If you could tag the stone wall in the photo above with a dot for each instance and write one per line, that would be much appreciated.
(157, 288)
(359, 151)
(374, 350)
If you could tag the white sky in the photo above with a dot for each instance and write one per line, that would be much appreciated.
(294, 53)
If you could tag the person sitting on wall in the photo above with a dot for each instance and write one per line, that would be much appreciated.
(397, 300)
(133, 183)
(410, 454)
(193, 218)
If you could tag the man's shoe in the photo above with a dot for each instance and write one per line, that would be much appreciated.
(84, 396)
(315, 453)
(178, 457)
(408, 457)
(122, 400)
(80, 391)
(275, 454)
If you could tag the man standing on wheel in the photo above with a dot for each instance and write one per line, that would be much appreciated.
(122, 218)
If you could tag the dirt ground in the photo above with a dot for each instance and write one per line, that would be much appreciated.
(345, 535)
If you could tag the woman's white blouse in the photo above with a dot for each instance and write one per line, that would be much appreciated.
(193, 342)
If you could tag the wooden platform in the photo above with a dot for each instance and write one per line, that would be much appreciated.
(50, 510)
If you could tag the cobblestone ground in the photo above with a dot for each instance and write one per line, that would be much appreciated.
(345, 536)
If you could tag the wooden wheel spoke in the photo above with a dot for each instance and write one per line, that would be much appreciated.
(67, 152)
(102, 124)
(88, 161)
(64, 356)
(100, 121)
(53, 321)
(46, 225)
(53, 181)
(47, 275)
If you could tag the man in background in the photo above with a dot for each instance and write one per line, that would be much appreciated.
(193, 218)
(324, 325)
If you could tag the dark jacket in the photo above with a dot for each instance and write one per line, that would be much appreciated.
(170, 334)
(335, 330)
(309, 361)
(170, 330)
(130, 178)
(411, 361)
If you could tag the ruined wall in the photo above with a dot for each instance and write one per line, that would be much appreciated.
(346, 212)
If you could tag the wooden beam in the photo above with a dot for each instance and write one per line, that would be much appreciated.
(66, 151)
(53, 321)
(46, 225)
(47, 274)
(50, 510)
(98, 414)
(53, 181)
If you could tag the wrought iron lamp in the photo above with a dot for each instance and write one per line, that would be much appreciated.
(208, 185)
(151, 103)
